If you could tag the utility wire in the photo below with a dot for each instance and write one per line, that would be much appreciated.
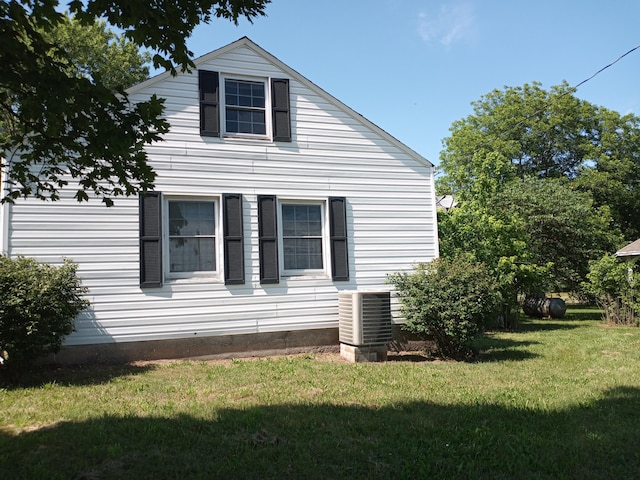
(569, 91)
(604, 68)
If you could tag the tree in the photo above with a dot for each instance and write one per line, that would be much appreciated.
(497, 238)
(533, 234)
(58, 125)
(528, 132)
(96, 52)
(564, 229)
(533, 132)
(614, 179)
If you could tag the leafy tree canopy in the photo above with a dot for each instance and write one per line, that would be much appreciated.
(97, 52)
(528, 132)
(60, 117)
(534, 234)
(498, 238)
(564, 228)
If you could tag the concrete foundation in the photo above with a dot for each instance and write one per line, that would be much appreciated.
(228, 346)
(369, 353)
(235, 346)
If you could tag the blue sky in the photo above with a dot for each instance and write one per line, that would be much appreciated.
(414, 66)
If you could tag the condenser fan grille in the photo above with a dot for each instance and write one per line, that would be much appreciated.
(364, 318)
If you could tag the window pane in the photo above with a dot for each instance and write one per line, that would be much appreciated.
(302, 220)
(244, 100)
(302, 253)
(288, 220)
(245, 121)
(192, 254)
(244, 93)
(244, 116)
(191, 218)
(232, 127)
(191, 236)
(259, 125)
(302, 224)
(257, 92)
(244, 89)
(315, 220)
(231, 87)
(245, 107)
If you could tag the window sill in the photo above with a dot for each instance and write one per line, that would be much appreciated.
(191, 280)
(308, 276)
(247, 137)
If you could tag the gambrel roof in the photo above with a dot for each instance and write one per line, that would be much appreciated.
(248, 43)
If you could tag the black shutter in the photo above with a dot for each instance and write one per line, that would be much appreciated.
(280, 106)
(338, 238)
(150, 217)
(233, 239)
(268, 238)
(209, 103)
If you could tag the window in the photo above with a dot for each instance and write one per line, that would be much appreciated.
(191, 237)
(234, 106)
(184, 237)
(245, 107)
(302, 237)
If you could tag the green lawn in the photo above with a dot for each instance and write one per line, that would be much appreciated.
(555, 399)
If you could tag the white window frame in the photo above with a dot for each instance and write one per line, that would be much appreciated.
(197, 275)
(267, 106)
(307, 273)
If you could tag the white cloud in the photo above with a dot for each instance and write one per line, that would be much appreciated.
(450, 24)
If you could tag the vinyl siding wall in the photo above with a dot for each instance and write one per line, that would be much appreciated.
(390, 214)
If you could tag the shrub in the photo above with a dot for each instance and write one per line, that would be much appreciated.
(38, 307)
(450, 301)
(612, 283)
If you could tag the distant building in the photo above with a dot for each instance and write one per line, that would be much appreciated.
(630, 252)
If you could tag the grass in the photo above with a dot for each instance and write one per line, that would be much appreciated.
(554, 399)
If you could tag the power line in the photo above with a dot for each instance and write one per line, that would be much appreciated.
(604, 68)
(569, 91)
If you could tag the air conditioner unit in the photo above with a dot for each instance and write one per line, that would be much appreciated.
(364, 318)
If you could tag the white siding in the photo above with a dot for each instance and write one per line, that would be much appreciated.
(390, 211)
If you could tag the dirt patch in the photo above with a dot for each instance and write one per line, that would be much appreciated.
(414, 355)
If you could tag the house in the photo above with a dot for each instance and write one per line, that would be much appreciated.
(271, 197)
(629, 252)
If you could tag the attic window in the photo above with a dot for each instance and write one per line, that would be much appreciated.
(249, 107)
(245, 107)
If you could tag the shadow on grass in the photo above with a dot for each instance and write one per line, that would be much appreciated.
(542, 325)
(493, 349)
(76, 375)
(583, 313)
(490, 348)
(573, 313)
(411, 440)
(411, 357)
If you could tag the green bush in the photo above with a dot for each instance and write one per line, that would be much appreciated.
(450, 301)
(613, 285)
(38, 307)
